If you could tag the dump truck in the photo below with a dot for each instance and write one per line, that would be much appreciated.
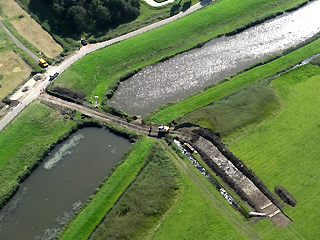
(43, 63)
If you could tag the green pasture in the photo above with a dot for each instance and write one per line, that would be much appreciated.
(116, 184)
(95, 72)
(24, 140)
(245, 79)
(284, 151)
(248, 106)
(145, 202)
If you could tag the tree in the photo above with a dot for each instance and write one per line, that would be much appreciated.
(77, 16)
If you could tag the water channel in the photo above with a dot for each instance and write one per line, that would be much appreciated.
(61, 184)
(190, 72)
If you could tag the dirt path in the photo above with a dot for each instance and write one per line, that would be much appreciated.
(34, 92)
(134, 126)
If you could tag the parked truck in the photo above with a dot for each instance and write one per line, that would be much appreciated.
(43, 63)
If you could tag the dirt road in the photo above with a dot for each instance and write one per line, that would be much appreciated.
(34, 92)
(134, 126)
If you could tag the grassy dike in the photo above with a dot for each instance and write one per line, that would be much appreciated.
(25, 141)
(116, 184)
(102, 69)
(200, 212)
(241, 81)
(145, 202)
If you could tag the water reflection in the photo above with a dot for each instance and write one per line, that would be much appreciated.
(51, 195)
(188, 73)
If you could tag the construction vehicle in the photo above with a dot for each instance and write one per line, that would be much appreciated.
(43, 63)
(161, 129)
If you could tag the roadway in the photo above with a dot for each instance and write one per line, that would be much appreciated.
(34, 92)
(18, 43)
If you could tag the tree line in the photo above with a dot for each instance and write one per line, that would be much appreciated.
(81, 15)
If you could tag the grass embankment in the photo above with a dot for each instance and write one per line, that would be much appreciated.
(284, 151)
(13, 70)
(89, 218)
(200, 212)
(250, 105)
(235, 84)
(100, 70)
(145, 202)
(23, 142)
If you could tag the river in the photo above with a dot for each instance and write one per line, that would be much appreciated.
(190, 72)
(61, 184)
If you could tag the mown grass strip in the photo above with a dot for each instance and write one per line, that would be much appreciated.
(145, 201)
(235, 84)
(94, 73)
(200, 212)
(89, 218)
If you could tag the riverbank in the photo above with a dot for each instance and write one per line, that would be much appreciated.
(100, 72)
(165, 115)
(31, 137)
(89, 217)
(25, 142)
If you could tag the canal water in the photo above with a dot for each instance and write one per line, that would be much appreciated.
(190, 72)
(61, 184)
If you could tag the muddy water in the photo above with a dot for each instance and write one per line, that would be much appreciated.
(188, 73)
(58, 187)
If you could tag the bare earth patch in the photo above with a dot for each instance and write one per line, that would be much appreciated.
(11, 8)
(14, 70)
(30, 29)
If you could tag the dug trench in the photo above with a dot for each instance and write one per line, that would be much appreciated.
(234, 173)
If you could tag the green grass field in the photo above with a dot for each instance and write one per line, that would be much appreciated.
(248, 106)
(95, 72)
(284, 151)
(200, 212)
(145, 202)
(86, 221)
(24, 140)
(245, 79)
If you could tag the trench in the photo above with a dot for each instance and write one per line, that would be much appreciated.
(61, 184)
(187, 73)
(234, 204)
